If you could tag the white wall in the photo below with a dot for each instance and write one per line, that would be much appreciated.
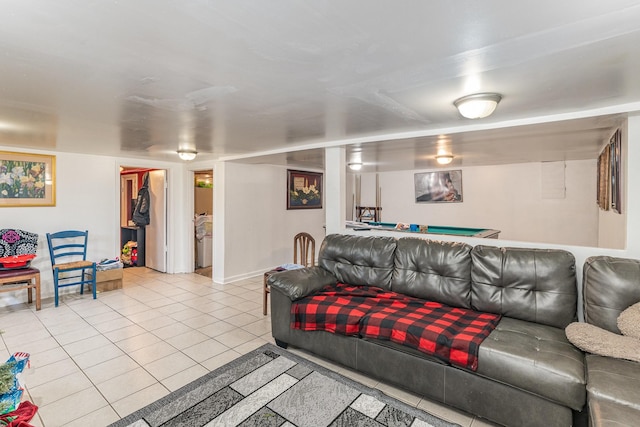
(88, 198)
(258, 228)
(85, 200)
(503, 197)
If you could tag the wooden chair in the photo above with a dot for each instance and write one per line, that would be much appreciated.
(68, 251)
(304, 250)
(13, 276)
(305, 245)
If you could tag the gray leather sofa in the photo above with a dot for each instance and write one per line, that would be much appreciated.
(610, 285)
(528, 373)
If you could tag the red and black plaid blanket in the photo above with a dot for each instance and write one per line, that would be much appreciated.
(452, 334)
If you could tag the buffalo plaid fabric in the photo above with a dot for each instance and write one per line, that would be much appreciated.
(338, 309)
(451, 334)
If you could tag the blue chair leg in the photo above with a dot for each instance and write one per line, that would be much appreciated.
(83, 280)
(55, 286)
(93, 280)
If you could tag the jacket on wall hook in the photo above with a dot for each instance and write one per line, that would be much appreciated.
(141, 212)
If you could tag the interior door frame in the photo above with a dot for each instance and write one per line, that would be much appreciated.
(163, 250)
(194, 212)
(140, 165)
(124, 179)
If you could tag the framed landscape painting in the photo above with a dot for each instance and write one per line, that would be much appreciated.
(304, 190)
(438, 187)
(27, 179)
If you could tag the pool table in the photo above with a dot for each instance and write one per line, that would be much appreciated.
(441, 229)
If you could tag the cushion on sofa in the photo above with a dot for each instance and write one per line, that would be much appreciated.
(629, 321)
(451, 333)
(610, 285)
(534, 357)
(536, 285)
(433, 270)
(613, 385)
(359, 260)
(596, 340)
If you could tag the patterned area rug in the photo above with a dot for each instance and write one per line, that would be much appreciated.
(273, 387)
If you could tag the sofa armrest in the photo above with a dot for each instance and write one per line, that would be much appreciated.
(299, 283)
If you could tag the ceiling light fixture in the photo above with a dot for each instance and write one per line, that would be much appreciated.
(444, 159)
(187, 154)
(355, 166)
(477, 106)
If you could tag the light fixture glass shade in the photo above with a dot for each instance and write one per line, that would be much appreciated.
(477, 106)
(444, 159)
(355, 166)
(187, 154)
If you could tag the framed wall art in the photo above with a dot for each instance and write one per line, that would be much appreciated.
(438, 187)
(304, 190)
(27, 179)
(609, 187)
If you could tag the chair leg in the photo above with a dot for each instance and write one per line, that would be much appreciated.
(55, 286)
(93, 281)
(82, 283)
(264, 297)
(38, 292)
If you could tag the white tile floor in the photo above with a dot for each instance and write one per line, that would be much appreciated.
(95, 361)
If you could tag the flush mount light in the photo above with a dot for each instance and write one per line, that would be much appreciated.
(477, 106)
(355, 166)
(444, 159)
(187, 154)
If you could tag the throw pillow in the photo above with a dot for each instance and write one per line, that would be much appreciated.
(596, 340)
(629, 321)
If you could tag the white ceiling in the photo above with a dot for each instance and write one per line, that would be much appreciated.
(234, 78)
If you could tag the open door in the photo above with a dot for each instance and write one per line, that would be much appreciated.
(203, 213)
(156, 231)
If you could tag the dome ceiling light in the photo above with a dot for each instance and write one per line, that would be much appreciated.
(477, 106)
(356, 166)
(187, 154)
(444, 159)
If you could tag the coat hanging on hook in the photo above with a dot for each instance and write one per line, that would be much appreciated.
(141, 212)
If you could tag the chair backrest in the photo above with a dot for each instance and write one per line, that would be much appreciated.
(17, 242)
(305, 246)
(67, 246)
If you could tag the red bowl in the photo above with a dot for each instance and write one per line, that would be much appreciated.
(16, 261)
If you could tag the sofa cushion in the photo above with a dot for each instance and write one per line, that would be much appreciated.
(359, 260)
(433, 270)
(454, 334)
(536, 358)
(610, 285)
(536, 285)
(612, 389)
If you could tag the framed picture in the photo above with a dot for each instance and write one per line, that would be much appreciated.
(27, 179)
(615, 148)
(438, 187)
(609, 189)
(304, 190)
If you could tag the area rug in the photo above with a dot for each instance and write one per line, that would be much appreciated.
(271, 386)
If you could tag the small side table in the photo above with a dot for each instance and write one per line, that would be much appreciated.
(266, 287)
(22, 278)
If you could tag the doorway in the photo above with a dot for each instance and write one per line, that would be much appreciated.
(203, 222)
(143, 246)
